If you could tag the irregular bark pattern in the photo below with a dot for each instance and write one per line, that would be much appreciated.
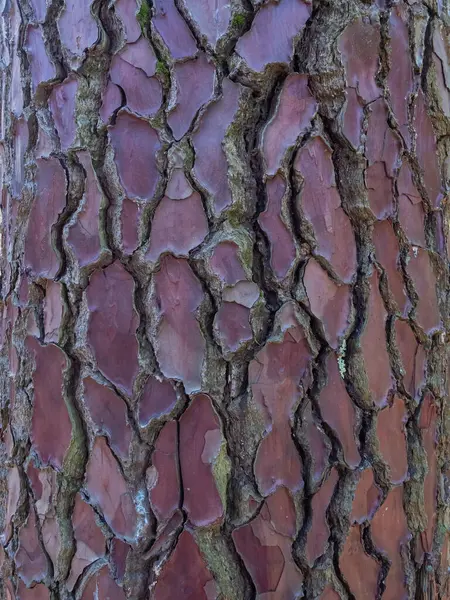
(224, 297)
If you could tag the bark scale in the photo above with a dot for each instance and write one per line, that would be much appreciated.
(224, 293)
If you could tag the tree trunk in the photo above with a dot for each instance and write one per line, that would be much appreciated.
(224, 299)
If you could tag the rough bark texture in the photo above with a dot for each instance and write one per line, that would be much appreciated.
(224, 299)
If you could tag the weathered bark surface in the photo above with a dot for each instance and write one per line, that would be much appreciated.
(224, 299)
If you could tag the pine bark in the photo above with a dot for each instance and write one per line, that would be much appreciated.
(224, 294)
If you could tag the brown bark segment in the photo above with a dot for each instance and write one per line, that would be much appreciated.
(224, 299)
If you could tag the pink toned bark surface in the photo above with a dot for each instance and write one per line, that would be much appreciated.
(112, 324)
(201, 439)
(359, 48)
(162, 477)
(224, 280)
(194, 86)
(21, 140)
(178, 226)
(44, 486)
(339, 412)
(225, 263)
(427, 424)
(37, 592)
(211, 16)
(42, 68)
(89, 539)
(16, 88)
(232, 324)
(186, 561)
(168, 534)
(382, 152)
(329, 302)
(132, 69)
(360, 570)
(40, 256)
(412, 355)
(102, 585)
(53, 311)
(392, 439)
(264, 545)
(62, 103)
(388, 254)
(400, 78)
(119, 555)
(329, 594)
(352, 118)
(108, 413)
(281, 240)
(382, 145)
(112, 100)
(296, 107)
(13, 483)
(427, 151)
(277, 462)
(30, 559)
(441, 69)
(410, 208)
(321, 205)
(77, 27)
(420, 268)
(44, 145)
(367, 498)
(318, 535)
(143, 94)
(135, 144)
(210, 167)
(319, 449)
(130, 218)
(108, 490)
(83, 236)
(178, 187)
(389, 533)
(51, 427)
(40, 9)
(126, 11)
(377, 364)
(271, 36)
(180, 344)
(173, 29)
(141, 55)
(158, 398)
(274, 377)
